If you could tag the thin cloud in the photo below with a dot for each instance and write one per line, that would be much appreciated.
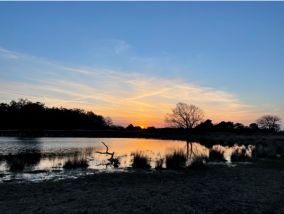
(126, 97)
(7, 54)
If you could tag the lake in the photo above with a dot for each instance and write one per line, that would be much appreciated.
(44, 158)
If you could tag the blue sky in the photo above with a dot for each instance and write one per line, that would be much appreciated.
(143, 52)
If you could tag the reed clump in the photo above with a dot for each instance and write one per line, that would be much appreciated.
(76, 163)
(140, 161)
(176, 160)
(216, 155)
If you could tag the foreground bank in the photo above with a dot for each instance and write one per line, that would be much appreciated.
(253, 188)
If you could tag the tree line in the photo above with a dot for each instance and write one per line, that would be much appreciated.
(191, 117)
(24, 114)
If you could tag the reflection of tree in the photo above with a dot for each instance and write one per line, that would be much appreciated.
(187, 149)
(19, 161)
(28, 144)
(25, 153)
(187, 117)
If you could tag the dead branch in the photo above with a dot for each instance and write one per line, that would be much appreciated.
(112, 160)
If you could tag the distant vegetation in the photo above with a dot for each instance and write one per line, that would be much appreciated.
(191, 117)
(27, 115)
(24, 114)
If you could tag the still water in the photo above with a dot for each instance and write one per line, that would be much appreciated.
(44, 158)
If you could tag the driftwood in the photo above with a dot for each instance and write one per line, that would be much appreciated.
(112, 160)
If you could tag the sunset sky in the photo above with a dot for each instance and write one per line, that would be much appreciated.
(134, 61)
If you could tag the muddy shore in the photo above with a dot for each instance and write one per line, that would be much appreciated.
(255, 188)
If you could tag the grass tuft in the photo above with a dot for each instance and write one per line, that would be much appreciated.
(76, 163)
(140, 161)
(198, 162)
(240, 155)
(176, 160)
(216, 155)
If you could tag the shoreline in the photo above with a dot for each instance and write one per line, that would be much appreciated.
(163, 133)
(257, 188)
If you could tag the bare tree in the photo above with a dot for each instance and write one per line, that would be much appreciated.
(269, 122)
(185, 116)
(108, 121)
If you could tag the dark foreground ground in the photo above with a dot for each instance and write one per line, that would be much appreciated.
(257, 188)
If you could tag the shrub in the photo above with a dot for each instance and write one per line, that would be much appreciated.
(198, 162)
(216, 155)
(240, 155)
(16, 165)
(176, 160)
(140, 161)
(76, 163)
(18, 162)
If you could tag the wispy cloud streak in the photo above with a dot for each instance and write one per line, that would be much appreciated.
(126, 97)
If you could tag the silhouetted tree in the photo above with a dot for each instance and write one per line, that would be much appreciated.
(253, 126)
(224, 126)
(25, 114)
(151, 128)
(269, 122)
(207, 125)
(239, 126)
(185, 116)
(131, 127)
(108, 121)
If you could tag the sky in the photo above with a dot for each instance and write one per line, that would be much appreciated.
(133, 61)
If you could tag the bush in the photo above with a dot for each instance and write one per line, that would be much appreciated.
(216, 155)
(198, 162)
(18, 162)
(16, 165)
(76, 163)
(140, 161)
(266, 151)
(240, 155)
(176, 160)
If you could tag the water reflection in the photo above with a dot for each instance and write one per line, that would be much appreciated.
(19, 161)
(52, 154)
(19, 145)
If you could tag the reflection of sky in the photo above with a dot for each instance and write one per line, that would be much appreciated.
(17, 145)
(135, 61)
(123, 148)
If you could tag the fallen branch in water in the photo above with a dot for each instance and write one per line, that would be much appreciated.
(112, 160)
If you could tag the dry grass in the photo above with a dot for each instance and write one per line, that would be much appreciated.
(176, 160)
(140, 161)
